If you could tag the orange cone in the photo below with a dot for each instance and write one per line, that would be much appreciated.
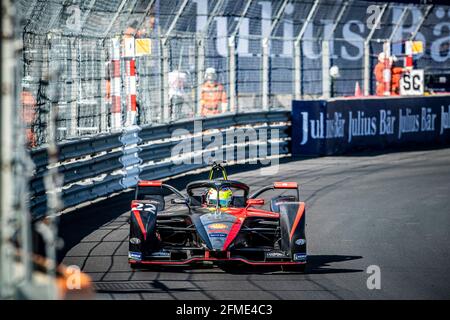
(358, 92)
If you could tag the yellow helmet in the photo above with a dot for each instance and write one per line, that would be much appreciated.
(225, 197)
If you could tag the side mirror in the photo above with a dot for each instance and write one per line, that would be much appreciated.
(178, 201)
(255, 202)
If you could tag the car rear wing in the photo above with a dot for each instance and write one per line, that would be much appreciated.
(275, 186)
(150, 183)
(157, 184)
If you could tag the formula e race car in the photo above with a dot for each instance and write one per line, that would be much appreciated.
(218, 221)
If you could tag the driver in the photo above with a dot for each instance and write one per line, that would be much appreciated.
(225, 197)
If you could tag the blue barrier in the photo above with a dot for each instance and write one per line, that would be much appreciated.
(345, 125)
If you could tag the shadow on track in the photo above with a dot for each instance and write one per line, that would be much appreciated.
(76, 225)
(317, 264)
(320, 264)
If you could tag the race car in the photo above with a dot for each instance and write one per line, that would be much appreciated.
(217, 220)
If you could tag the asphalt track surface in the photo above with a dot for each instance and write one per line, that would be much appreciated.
(390, 210)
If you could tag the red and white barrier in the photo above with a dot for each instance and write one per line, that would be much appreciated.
(409, 55)
(130, 79)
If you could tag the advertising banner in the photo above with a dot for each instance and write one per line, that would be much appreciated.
(346, 125)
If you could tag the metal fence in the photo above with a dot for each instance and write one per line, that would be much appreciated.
(265, 52)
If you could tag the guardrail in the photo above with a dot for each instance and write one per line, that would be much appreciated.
(102, 165)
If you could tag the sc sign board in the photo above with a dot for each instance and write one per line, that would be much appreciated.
(412, 83)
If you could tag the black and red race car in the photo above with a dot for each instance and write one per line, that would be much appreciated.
(168, 227)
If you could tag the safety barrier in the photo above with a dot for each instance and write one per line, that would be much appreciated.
(102, 165)
(339, 126)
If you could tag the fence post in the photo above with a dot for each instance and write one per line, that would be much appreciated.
(233, 106)
(366, 68)
(265, 73)
(45, 76)
(72, 130)
(298, 70)
(165, 102)
(7, 214)
(326, 81)
(102, 95)
(200, 73)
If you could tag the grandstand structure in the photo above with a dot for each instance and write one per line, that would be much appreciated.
(266, 53)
